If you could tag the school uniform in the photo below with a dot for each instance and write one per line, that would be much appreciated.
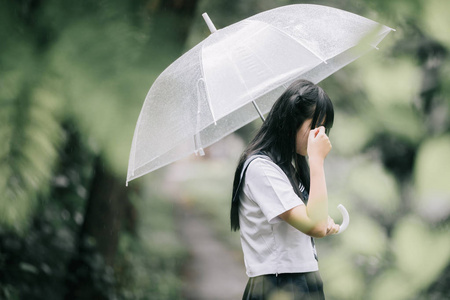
(279, 259)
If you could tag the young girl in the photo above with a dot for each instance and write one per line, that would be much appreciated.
(280, 196)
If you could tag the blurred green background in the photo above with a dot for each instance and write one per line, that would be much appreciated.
(73, 77)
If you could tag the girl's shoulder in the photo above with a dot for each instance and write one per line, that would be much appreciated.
(257, 160)
(262, 165)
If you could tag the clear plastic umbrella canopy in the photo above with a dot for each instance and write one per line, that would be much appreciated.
(237, 73)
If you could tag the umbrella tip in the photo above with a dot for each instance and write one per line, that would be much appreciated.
(200, 152)
(210, 24)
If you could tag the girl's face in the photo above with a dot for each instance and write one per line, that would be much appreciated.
(301, 141)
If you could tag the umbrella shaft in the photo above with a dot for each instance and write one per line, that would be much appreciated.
(259, 111)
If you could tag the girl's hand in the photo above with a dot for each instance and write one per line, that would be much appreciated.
(318, 143)
(332, 228)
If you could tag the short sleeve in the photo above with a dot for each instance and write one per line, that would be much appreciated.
(268, 186)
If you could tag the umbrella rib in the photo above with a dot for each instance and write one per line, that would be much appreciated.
(208, 97)
(197, 142)
(258, 110)
(213, 29)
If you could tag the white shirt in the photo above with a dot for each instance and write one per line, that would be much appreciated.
(270, 245)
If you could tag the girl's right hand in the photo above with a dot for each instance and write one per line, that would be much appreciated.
(319, 144)
(332, 228)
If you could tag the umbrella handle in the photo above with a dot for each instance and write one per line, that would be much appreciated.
(345, 217)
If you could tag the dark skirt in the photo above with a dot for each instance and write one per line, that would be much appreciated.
(292, 286)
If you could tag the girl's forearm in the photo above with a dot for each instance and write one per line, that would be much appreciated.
(317, 207)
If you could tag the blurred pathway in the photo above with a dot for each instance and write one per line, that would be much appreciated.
(211, 272)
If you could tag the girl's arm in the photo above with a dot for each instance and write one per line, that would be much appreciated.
(313, 218)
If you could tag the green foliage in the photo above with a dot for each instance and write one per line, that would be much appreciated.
(366, 237)
(31, 134)
(419, 252)
(209, 188)
(432, 247)
(95, 57)
(349, 135)
(434, 21)
(33, 266)
(92, 62)
(107, 64)
(343, 277)
(88, 64)
(365, 182)
(85, 66)
(150, 262)
(431, 175)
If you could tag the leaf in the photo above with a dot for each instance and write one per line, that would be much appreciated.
(375, 187)
(365, 236)
(431, 177)
(392, 285)
(108, 67)
(343, 280)
(383, 85)
(436, 21)
(350, 134)
(28, 268)
(31, 135)
(421, 252)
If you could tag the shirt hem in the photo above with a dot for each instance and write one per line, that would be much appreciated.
(264, 270)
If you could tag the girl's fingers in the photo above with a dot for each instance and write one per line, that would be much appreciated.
(318, 143)
(336, 228)
(313, 133)
(332, 228)
(316, 131)
(330, 225)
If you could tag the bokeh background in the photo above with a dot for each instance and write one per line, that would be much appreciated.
(73, 77)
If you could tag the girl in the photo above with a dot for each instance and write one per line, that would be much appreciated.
(280, 196)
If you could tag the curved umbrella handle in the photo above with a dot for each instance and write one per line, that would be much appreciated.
(346, 218)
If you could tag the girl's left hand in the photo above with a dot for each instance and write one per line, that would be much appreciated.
(332, 228)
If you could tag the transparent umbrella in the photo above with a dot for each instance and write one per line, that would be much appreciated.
(235, 75)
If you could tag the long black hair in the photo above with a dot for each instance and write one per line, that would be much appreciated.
(276, 138)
